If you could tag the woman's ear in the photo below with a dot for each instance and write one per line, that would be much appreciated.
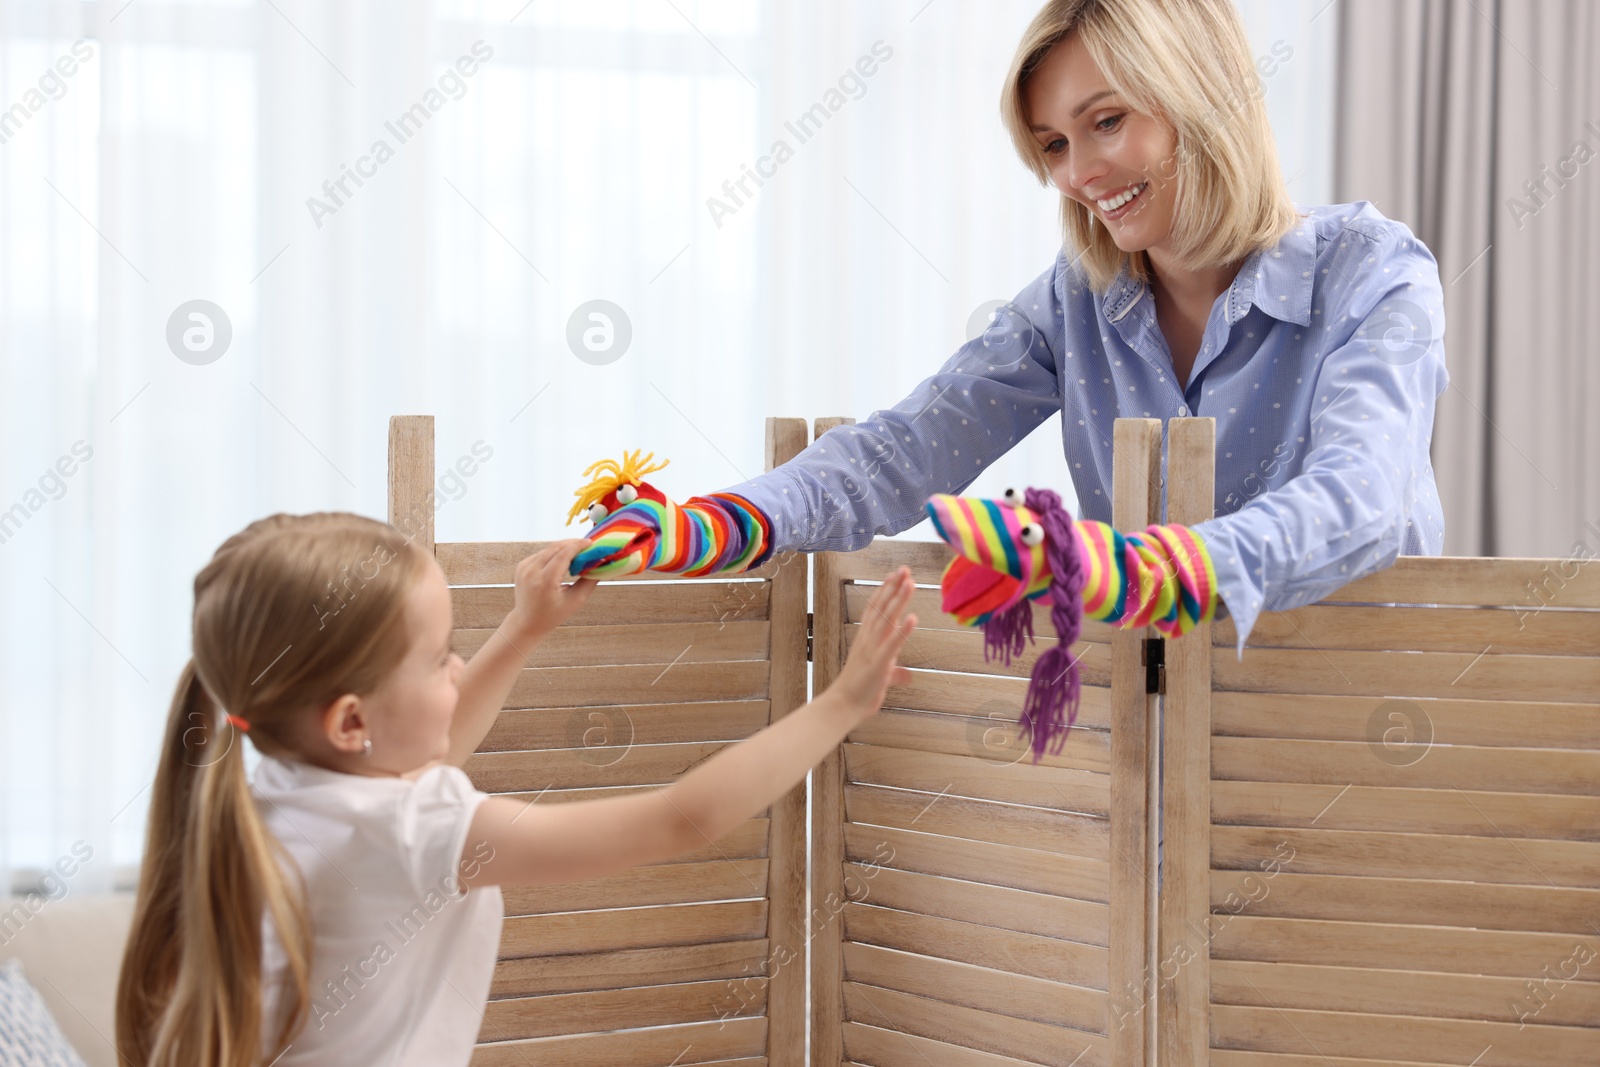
(344, 722)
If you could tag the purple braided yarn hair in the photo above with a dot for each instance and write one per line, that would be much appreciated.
(1053, 687)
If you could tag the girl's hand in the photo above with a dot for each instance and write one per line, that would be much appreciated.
(871, 667)
(543, 601)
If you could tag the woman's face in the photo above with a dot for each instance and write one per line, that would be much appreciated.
(1117, 162)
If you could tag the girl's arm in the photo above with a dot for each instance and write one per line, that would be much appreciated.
(540, 844)
(542, 603)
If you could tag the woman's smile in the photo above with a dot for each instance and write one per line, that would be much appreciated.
(1118, 204)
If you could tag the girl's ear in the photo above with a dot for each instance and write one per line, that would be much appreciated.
(344, 723)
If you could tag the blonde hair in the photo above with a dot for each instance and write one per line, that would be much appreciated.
(1186, 63)
(291, 612)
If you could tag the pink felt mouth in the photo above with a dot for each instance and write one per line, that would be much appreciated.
(969, 590)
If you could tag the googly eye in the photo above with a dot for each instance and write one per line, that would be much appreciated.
(598, 513)
(1032, 534)
(627, 494)
(1012, 497)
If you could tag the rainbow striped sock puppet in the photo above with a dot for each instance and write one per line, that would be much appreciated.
(637, 528)
(1020, 547)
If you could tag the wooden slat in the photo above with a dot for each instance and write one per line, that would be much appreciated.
(925, 604)
(1511, 724)
(1439, 811)
(604, 931)
(1438, 629)
(827, 806)
(666, 1046)
(1135, 779)
(1464, 675)
(983, 779)
(1186, 802)
(411, 505)
(1396, 947)
(617, 1009)
(665, 883)
(980, 861)
(684, 642)
(570, 768)
(1002, 950)
(786, 886)
(968, 694)
(626, 603)
(1002, 907)
(534, 975)
(1407, 900)
(890, 1048)
(615, 727)
(1470, 580)
(1040, 828)
(967, 986)
(1241, 1058)
(949, 650)
(1018, 1038)
(565, 687)
(993, 738)
(1453, 1041)
(495, 562)
(1358, 852)
(1515, 770)
(927, 560)
(1450, 996)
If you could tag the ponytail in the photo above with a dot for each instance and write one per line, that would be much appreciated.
(189, 993)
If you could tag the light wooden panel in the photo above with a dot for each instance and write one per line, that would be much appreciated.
(652, 677)
(1397, 846)
(978, 883)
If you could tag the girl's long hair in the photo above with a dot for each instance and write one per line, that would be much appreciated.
(291, 612)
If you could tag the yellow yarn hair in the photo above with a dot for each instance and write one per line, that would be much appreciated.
(630, 472)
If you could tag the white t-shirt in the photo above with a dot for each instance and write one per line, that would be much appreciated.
(402, 958)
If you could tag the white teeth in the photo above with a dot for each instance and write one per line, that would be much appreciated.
(1121, 198)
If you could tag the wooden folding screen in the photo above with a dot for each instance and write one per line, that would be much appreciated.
(693, 961)
(971, 908)
(1383, 825)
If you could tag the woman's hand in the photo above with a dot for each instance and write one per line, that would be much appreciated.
(871, 667)
(543, 600)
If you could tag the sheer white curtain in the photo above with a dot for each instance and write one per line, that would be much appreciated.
(534, 157)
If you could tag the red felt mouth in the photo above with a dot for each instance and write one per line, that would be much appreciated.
(969, 589)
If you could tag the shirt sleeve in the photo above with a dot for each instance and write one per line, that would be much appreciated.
(432, 822)
(1344, 515)
(856, 482)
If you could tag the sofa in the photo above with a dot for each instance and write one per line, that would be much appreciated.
(71, 949)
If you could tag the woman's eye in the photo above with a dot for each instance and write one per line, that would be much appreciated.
(1102, 124)
(1056, 147)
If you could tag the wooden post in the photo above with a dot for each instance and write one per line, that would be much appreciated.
(411, 477)
(786, 846)
(827, 813)
(1135, 501)
(1185, 914)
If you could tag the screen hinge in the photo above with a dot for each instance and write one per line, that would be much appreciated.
(1153, 654)
(810, 619)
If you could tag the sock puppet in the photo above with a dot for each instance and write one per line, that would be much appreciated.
(637, 528)
(1022, 546)
(1009, 552)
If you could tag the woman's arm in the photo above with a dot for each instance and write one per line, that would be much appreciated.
(542, 603)
(874, 477)
(541, 844)
(1344, 514)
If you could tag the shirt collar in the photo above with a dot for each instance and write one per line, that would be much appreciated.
(1278, 280)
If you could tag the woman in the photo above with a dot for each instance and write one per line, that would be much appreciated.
(1189, 285)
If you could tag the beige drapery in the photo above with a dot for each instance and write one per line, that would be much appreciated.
(1477, 122)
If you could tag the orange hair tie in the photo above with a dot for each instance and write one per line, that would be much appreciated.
(238, 723)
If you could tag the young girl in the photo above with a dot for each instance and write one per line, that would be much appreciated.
(342, 907)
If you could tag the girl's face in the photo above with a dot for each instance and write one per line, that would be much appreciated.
(1117, 162)
(413, 707)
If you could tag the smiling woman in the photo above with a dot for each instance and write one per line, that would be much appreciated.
(1189, 284)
